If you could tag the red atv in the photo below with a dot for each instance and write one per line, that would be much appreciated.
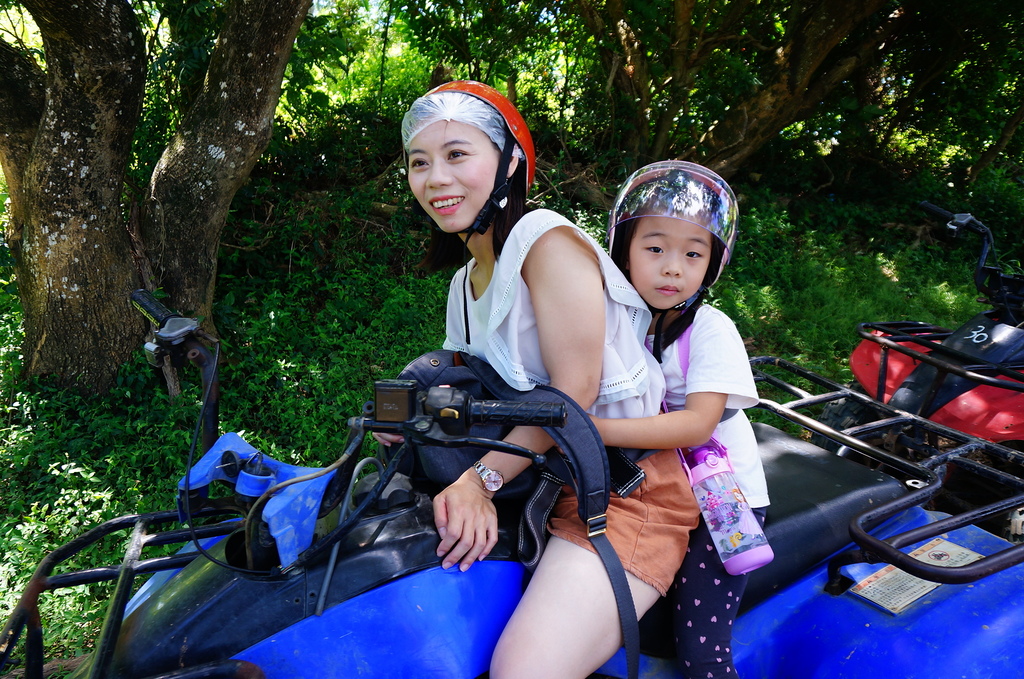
(968, 379)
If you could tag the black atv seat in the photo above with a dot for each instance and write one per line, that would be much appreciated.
(814, 495)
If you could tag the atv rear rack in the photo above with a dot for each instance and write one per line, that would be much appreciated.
(929, 454)
(897, 334)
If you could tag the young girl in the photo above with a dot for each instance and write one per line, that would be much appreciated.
(672, 231)
(543, 304)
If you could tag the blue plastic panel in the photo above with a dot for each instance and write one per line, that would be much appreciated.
(973, 631)
(290, 514)
(432, 624)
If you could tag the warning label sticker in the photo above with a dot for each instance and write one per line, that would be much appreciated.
(895, 590)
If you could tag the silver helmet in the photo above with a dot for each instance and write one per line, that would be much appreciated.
(679, 190)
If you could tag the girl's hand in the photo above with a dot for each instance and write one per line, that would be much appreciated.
(466, 520)
(388, 439)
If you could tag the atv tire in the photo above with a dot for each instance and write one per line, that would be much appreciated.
(842, 414)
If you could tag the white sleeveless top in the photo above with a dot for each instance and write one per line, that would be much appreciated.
(503, 326)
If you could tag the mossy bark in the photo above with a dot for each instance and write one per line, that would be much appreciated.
(65, 142)
(65, 171)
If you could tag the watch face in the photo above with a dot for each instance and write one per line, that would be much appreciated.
(492, 480)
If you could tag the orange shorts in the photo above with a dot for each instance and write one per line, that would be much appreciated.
(649, 529)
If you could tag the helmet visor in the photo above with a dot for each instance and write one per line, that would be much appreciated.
(679, 190)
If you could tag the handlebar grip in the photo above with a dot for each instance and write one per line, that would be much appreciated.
(936, 211)
(150, 307)
(517, 413)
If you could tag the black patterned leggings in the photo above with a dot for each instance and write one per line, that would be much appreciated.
(705, 599)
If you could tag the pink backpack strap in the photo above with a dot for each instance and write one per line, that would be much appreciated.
(683, 344)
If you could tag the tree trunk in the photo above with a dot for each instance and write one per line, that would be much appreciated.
(624, 58)
(65, 170)
(22, 85)
(65, 141)
(215, 148)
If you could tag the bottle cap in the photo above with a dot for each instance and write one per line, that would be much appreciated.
(707, 460)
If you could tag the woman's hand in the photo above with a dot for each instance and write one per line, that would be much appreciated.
(388, 439)
(466, 520)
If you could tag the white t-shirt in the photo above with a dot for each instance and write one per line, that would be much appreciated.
(719, 364)
(503, 326)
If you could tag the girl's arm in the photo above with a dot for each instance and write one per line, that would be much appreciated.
(567, 290)
(691, 426)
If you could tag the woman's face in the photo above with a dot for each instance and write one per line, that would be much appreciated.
(668, 259)
(452, 167)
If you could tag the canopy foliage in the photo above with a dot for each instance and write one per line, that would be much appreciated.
(802, 99)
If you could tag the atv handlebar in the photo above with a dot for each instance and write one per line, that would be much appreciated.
(1005, 291)
(444, 415)
(181, 340)
(150, 307)
(936, 211)
(400, 403)
(455, 411)
(960, 220)
(527, 413)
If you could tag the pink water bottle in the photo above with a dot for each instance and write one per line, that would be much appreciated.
(734, 529)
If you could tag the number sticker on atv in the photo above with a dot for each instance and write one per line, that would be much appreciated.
(978, 335)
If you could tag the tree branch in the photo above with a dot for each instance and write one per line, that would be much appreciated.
(219, 141)
(993, 151)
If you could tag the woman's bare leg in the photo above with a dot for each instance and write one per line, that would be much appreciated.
(567, 624)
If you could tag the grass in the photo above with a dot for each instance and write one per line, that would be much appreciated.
(316, 305)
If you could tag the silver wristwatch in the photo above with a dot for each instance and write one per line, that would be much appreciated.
(492, 480)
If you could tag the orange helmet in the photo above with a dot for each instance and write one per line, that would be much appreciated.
(489, 111)
(422, 113)
(508, 112)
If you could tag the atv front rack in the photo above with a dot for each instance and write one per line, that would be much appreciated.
(25, 616)
(896, 335)
(923, 454)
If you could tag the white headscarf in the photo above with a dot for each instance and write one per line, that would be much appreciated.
(458, 107)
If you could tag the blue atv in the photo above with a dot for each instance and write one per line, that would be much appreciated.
(285, 571)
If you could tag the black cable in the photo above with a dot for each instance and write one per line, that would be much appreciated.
(188, 477)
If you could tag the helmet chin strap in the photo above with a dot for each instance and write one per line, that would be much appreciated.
(499, 196)
(661, 313)
(495, 204)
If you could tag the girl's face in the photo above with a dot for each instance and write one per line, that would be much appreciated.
(451, 172)
(668, 259)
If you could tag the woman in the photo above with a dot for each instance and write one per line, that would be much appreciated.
(543, 304)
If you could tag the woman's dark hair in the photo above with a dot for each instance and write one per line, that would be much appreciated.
(447, 250)
(675, 329)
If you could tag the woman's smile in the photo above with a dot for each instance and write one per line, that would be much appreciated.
(446, 205)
